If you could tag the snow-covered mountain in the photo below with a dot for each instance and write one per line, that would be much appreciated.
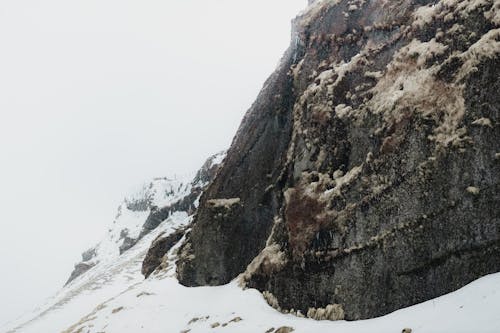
(160, 206)
(144, 209)
(131, 216)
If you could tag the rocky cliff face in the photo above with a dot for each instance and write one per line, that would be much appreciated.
(365, 178)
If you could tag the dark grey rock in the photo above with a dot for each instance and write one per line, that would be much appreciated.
(207, 171)
(373, 185)
(159, 247)
(80, 268)
(186, 204)
(84, 265)
(162, 244)
(127, 242)
(250, 172)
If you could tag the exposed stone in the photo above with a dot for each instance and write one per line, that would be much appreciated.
(89, 254)
(116, 310)
(196, 319)
(359, 166)
(209, 169)
(144, 293)
(83, 266)
(159, 247)
(79, 269)
(188, 203)
(284, 329)
(138, 205)
(127, 242)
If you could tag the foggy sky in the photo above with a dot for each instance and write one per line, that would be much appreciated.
(97, 96)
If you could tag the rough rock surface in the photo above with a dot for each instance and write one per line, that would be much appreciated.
(79, 269)
(188, 202)
(367, 172)
(159, 247)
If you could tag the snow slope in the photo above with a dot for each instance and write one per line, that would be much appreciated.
(107, 279)
(115, 298)
(116, 260)
(162, 305)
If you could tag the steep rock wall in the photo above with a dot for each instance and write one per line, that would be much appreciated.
(366, 174)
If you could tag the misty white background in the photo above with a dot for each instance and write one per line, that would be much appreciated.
(97, 96)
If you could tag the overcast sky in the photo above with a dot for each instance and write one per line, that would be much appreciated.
(97, 96)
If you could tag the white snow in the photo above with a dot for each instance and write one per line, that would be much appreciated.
(107, 279)
(219, 158)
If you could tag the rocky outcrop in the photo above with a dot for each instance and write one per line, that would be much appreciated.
(79, 269)
(126, 241)
(366, 175)
(159, 247)
(188, 202)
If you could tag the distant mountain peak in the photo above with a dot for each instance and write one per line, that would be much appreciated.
(144, 209)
